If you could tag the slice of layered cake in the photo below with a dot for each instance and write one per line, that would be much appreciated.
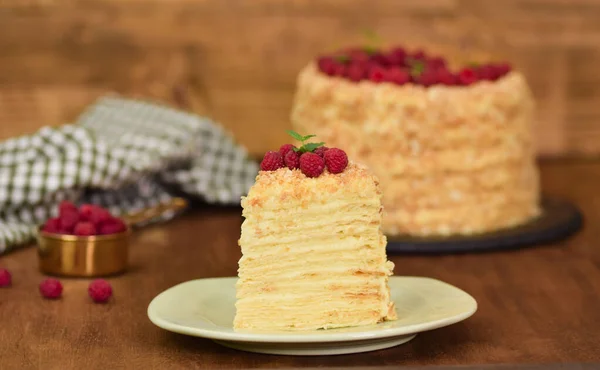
(313, 250)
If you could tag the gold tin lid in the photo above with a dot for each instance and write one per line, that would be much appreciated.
(98, 255)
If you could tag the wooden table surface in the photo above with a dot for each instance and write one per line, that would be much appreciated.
(536, 306)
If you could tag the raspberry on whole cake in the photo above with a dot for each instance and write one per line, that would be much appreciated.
(313, 253)
(452, 146)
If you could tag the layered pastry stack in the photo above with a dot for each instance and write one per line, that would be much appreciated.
(453, 149)
(313, 250)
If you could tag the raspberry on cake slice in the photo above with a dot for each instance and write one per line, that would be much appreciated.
(313, 253)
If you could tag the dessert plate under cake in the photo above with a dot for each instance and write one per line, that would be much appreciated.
(206, 308)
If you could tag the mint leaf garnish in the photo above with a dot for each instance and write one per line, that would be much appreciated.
(295, 135)
(373, 43)
(416, 66)
(342, 58)
(308, 147)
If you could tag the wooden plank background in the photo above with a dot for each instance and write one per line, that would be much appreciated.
(237, 60)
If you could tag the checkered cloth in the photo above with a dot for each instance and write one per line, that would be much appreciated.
(125, 155)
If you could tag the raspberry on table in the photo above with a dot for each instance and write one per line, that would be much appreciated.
(112, 226)
(84, 228)
(336, 160)
(5, 278)
(51, 288)
(311, 164)
(272, 161)
(320, 151)
(292, 160)
(100, 290)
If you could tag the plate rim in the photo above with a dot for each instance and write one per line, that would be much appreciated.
(307, 338)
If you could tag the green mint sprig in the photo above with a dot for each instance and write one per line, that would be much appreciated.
(342, 58)
(306, 147)
(416, 66)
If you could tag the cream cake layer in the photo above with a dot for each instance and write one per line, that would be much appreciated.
(436, 150)
(313, 254)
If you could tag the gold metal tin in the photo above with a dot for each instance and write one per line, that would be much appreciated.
(83, 256)
(98, 255)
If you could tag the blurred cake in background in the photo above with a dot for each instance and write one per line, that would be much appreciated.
(453, 147)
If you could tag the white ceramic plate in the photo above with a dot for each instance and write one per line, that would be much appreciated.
(206, 307)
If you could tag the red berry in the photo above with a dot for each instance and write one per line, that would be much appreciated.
(85, 211)
(100, 215)
(398, 75)
(396, 57)
(66, 206)
(358, 55)
(51, 288)
(503, 69)
(445, 77)
(112, 226)
(292, 160)
(419, 55)
(336, 160)
(272, 161)
(339, 70)
(84, 229)
(311, 164)
(100, 290)
(436, 63)
(326, 65)
(426, 78)
(68, 219)
(377, 74)
(5, 278)
(52, 225)
(467, 76)
(356, 72)
(285, 148)
(379, 58)
(320, 151)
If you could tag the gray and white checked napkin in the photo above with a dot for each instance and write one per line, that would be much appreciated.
(125, 155)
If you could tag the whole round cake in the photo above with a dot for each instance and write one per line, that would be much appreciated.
(452, 148)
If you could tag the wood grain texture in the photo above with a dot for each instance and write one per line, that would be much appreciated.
(237, 60)
(536, 306)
